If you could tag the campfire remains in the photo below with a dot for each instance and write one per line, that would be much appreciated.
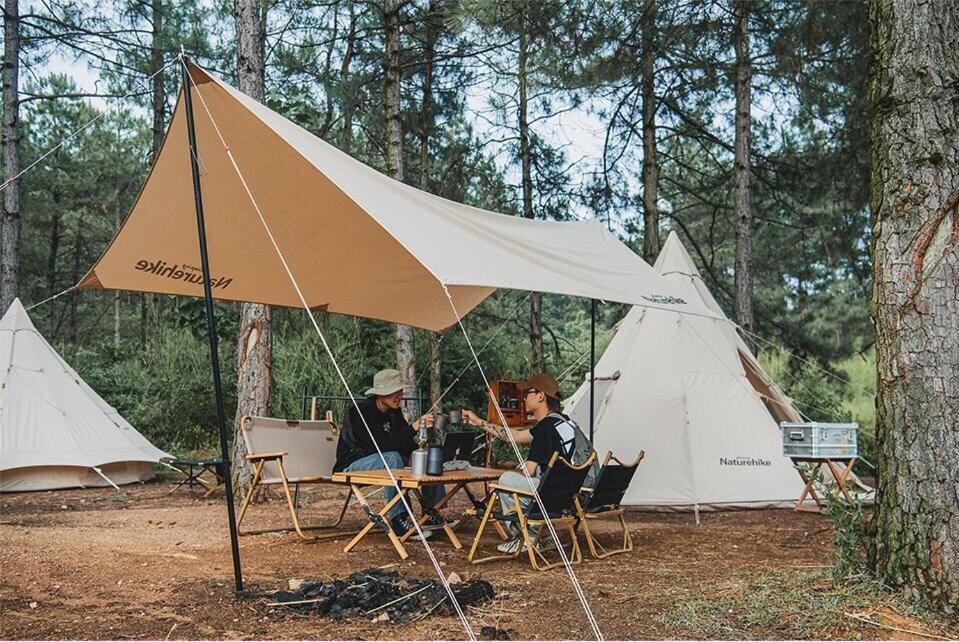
(379, 595)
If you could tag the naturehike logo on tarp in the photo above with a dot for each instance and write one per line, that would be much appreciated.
(744, 461)
(661, 299)
(186, 273)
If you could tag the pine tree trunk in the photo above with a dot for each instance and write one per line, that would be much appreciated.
(405, 352)
(117, 218)
(159, 118)
(10, 220)
(915, 203)
(433, 23)
(744, 215)
(651, 244)
(346, 133)
(254, 344)
(536, 298)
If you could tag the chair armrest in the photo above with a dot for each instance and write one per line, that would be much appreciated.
(507, 489)
(586, 489)
(259, 456)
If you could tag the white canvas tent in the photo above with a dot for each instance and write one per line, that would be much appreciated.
(55, 430)
(688, 392)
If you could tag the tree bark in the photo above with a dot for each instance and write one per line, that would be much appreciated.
(10, 220)
(536, 298)
(346, 133)
(651, 243)
(405, 348)
(744, 216)
(433, 21)
(254, 344)
(915, 195)
(158, 96)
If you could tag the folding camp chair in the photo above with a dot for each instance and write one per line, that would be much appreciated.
(289, 452)
(557, 490)
(603, 502)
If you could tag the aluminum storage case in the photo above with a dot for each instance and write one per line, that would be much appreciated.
(817, 440)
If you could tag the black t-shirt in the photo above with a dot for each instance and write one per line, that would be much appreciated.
(547, 440)
(389, 429)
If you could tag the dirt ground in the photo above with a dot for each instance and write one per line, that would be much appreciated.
(141, 564)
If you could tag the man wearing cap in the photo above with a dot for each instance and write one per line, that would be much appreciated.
(378, 420)
(553, 432)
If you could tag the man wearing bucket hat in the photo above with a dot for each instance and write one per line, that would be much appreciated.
(554, 432)
(378, 420)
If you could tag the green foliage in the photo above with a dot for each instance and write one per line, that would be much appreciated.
(165, 391)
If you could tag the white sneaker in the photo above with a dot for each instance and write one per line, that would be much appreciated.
(513, 546)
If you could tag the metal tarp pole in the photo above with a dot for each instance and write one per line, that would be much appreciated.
(211, 330)
(592, 366)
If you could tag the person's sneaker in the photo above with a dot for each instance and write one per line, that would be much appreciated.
(402, 523)
(512, 547)
(546, 544)
(433, 522)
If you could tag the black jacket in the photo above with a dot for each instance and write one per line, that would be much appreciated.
(389, 429)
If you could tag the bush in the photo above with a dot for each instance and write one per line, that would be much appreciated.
(165, 390)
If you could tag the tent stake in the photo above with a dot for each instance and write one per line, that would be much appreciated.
(211, 329)
(592, 366)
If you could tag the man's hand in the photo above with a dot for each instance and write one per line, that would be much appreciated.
(427, 418)
(470, 417)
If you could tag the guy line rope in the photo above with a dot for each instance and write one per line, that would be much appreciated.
(336, 366)
(539, 501)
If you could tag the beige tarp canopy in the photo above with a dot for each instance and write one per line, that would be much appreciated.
(357, 242)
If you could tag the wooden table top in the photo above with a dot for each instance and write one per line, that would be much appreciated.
(407, 479)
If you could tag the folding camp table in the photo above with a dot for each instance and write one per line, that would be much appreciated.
(840, 468)
(192, 470)
(456, 480)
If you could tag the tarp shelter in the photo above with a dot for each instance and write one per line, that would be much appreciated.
(55, 430)
(689, 392)
(357, 241)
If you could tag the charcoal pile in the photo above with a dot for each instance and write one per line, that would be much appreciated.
(375, 594)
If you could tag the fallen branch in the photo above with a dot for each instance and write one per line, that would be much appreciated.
(897, 629)
(399, 599)
(294, 603)
(432, 608)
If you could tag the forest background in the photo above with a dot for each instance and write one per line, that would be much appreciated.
(497, 99)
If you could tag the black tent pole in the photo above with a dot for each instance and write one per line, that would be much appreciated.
(592, 366)
(211, 330)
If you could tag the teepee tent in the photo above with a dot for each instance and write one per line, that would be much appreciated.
(688, 391)
(55, 431)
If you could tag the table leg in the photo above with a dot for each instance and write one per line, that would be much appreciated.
(841, 476)
(809, 490)
(383, 515)
(440, 504)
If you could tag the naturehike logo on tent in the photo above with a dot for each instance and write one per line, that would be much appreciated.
(664, 300)
(744, 461)
(187, 273)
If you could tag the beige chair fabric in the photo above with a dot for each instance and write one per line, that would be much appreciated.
(310, 447)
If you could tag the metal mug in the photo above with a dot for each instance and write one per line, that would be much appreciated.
(440, 420)
(456, 416)
(418, 460)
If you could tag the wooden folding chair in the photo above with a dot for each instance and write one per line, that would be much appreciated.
(603, 502)
(287, 452)
(557, 489)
